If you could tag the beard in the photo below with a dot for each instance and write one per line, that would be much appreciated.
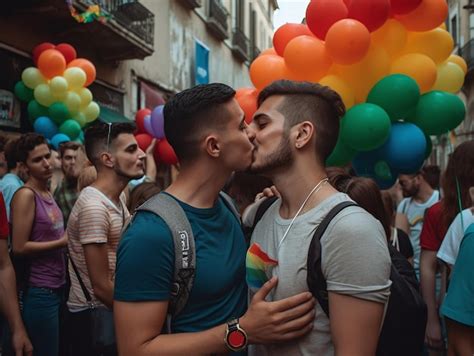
(121, 173)
(281, 158)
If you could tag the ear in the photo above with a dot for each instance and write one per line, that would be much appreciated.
(107, 160)
(212, 146)
(22, 166)
(304, 133)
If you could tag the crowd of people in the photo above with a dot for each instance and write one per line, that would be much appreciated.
(255, 248)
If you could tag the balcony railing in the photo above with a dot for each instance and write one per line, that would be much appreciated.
(240, 44)
(191, 4)
(217, 20)
(467, 52)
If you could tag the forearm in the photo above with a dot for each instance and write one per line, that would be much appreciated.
(8, 297)
(33, 247)
(104, 291)
(150, 168)
(427, 283)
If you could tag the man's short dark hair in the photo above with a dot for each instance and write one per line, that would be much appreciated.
(97, 135)
(27, 143)
(3, 142)
(191, 111)
(432, 174)
(11, 155)
(70, 145)
(305, 101)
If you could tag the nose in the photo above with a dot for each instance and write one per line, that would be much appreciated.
(250, 133)
(141, 154)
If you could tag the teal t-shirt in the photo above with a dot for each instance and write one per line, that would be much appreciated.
(459, 302)
(145, 266)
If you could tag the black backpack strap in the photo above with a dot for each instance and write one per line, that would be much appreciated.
(262, 208)
(315, 278)
(229, 203)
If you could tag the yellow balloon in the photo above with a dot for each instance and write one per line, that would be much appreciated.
(86, 97)
(91, 112)
(76, 77)
(454, 58)
(58, 86)
(450, 78)
(72, 102)
(419, 67)
(443, 26)
(392, 37)
(42, 94)
(436, 44)
(341, 87)
(32, 77)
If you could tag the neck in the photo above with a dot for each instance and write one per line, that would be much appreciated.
(424, 193)
(110, 184)
(39, 185)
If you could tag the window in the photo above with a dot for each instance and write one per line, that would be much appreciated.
(454, 28)
(239, 14)
(471, 26)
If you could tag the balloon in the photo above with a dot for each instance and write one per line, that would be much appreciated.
(341, 155)
(73, 102)
(341, 87)
(401, 7)
(58, 86)
(51, 63)
(248, 103)
(266, 69)
(365, 127)
(427, 16)
(58, 139)
(67, 51)
(286, 33)
(157, 122)
(36, 110)
(366, 164)
(417, 66)
(43, 95)
(306, 56)
(32, 77)
(165, 153)
(243, 91)
(86, 66)
(22, 92)
(268, 51)
(397, 94)
(459, 61)
(75, 77)
(450, 78)
(372, 13)
(436, 44)
(139, 117)
(40, 49)
(322, 14)
(58, 112)
(392, 36)
(81, 119)
(91, 112)
(347, 41)
(85, 95)
(438, 112)
(71, 128)
(147, 124)
(45, 126)
(143, 140)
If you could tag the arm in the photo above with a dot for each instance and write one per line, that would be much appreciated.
(9, 303)
(150, 164)
(97, 262)
(401, 222)
(23, 213)
(355, 324)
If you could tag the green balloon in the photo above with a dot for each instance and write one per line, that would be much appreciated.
(397, 94)
(70, 128)
(59, 113)
(23, 92)
(382, 170)
(438, 112)
(365, 127)
(36, 110)
(340, 155)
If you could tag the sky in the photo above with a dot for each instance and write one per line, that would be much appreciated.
(289, 11)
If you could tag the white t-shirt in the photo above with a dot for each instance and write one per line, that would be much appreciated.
(448, 252)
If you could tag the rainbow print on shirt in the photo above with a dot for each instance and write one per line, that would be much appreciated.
(258, 263)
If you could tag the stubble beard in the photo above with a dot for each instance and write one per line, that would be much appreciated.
(280, 159)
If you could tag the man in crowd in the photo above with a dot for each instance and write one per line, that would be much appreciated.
(95, 224)
(296, 128)
(206, 128)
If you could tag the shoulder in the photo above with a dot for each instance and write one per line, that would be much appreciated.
(146, 228)
(23, 195)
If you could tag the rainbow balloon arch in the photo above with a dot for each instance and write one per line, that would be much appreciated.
(390, 61)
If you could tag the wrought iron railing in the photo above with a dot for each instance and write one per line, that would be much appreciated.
(240, 43)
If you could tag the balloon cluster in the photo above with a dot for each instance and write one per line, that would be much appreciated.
(391, 63)
(150, 125)
(59, 103)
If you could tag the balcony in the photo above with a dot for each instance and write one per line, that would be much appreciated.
(191, 4)
(217, 19)
(240, 45)
(255, 52)
(467, 52)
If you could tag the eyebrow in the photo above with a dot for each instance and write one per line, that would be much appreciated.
(260, 116)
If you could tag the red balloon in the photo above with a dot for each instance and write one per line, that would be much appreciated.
(286, 33)
(248, 103)
(143, 140)
(68, 51)
(40, 49)
(322, 14)
(139, 118)
(401, 7)
(372, 13)
(164, 153)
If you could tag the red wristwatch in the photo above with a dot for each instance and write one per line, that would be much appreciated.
(235, 336)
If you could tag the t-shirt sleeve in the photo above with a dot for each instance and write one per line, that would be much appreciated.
(3, 220)
(95, 223)
(450, 246)
(145, 261)
(428, 240)
(401, 207)
(355, 256)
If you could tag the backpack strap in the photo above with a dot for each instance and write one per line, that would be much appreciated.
(230, 205)
(315, 278)
(262, 208)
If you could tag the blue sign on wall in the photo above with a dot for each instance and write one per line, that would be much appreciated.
(202, 63)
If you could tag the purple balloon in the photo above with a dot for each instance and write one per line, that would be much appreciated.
(157, 122)
(147, 125)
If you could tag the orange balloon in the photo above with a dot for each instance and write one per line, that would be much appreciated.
(243, 91)
(266, 69)
(86, 66)
(286, 33)
(270, 50)
(248, 103)
(347, 41)
(454, 58)
(306, 57)
(427, 16)
(51, 63)
(417, 66)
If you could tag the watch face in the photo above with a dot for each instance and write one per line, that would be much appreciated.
(236, 338)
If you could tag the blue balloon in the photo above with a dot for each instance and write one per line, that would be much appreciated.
(45, 126)
(58, 139)
(364, 164)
